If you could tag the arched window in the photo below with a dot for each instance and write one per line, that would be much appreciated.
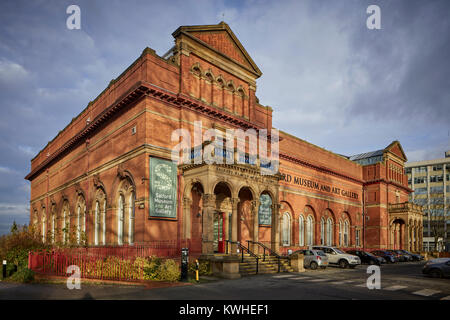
(301, 231)
(64, 225)
(43, 222)
(131, 219)
(53, 224)
(329, 232)
(80, 231)
(346, 233)
(125, 211)
(309, 231)
(96, 222)
(286, 225)
(341, 232)
(120, 216)
(322, 231)
(104, 222)
(78, 224)
(100, 217)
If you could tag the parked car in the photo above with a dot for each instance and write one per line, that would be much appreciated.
(314, 259)
(437, 268)
(339, 257)
(400, 256)
(407, 256)
(415, 257)
(367, 257)
(388, 256)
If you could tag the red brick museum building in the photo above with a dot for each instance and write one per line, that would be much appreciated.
(107, 177)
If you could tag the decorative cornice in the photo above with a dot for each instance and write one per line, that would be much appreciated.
(319, 168)
(136, 92)
(367, 183)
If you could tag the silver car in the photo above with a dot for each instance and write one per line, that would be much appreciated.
(437, 268)
(314, 259)
(339, 257)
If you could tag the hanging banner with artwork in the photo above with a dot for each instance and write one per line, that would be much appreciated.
(265, 210)
(163, 188)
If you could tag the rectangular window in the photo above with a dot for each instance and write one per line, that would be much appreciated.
(420, 169)
(419, 180)
(437, 167)
(439, 178)
(420, 191)
(439, 189)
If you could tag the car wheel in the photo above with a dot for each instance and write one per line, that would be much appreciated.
(343, 264)
(313, 265)
(436, 273)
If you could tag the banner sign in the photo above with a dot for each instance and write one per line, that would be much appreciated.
(163, 188)
(265, 210)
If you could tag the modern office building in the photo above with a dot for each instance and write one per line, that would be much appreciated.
(109, 176)
(430, 181)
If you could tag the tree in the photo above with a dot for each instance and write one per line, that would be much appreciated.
(14, 227)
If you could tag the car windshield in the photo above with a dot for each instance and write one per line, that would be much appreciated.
(339, 251)
(369, 254)
(321, 253)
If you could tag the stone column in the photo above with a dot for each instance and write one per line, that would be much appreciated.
(234, 223)
(209, 206)
(420, 236)
(187, 202)
(275, 234)
(405, 236)
(255, 208)
(226, 222)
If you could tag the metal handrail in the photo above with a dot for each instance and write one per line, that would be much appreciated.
(242, 251)
(271, 252)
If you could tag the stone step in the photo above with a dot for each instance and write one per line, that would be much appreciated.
(269, 265)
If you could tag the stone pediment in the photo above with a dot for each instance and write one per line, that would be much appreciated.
(397, 150)
(221, 39)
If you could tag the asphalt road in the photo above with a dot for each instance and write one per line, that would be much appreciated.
(398, 281)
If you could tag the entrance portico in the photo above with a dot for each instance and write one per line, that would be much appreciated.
(221, 203)
(405, 226)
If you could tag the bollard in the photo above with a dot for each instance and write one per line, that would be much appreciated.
(4, 269)
(196, 270)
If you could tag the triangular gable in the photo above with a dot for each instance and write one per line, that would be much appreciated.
(220, 38)
(396, 148)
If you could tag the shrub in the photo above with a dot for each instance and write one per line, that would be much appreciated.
(169, 271)
(204, 268)
(14, 246)
(24, 275)
(157, 269)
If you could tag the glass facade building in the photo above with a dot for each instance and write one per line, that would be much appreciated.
(430, 181)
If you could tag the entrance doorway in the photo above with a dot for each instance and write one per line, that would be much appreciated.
(219, 232)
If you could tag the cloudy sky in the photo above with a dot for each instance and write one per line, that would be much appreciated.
(329, 79)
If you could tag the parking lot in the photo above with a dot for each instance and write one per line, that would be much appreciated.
(398, 281)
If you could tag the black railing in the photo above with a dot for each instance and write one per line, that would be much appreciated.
(242, 249)
(270, 252)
